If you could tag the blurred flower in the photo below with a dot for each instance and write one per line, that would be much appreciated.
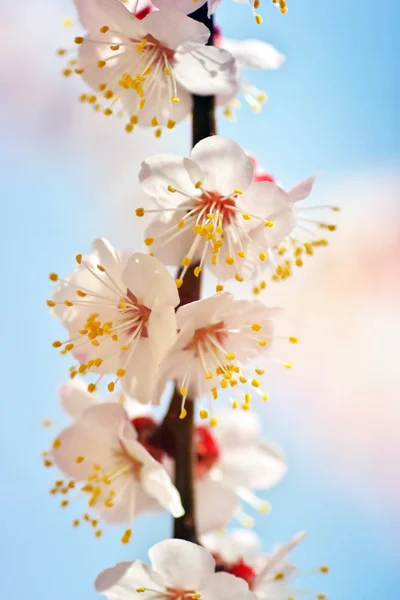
(118, 309)
(218, 336)
(231, 461)
(152, 64)
(268, 576)
(209, 206)
(249, 54)
(121, 478)
(180, 571)
(294, 236)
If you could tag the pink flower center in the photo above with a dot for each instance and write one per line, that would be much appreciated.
(151, 44)
(134, 310)
(203, 336)
(175, 594)
(214, 202)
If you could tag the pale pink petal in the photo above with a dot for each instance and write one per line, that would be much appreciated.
(162, 170)
(158, 485)
(302, 189)
(254, 54)
(208, 70)
(75, 398)
(223, 586)
(150, 281)
(175, 30)
(182, 565)
(226, 166)
(120, 582)
(215, 505)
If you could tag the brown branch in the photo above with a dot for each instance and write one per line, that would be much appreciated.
(178, 433)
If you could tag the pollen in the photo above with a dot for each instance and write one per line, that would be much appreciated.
(183, 391)
(219, 288)
(324, 569)
(293, 339)
(203, 414)
(175, 99)
(256, 327)
(126, 536)
(214, 422)
(56, 443)
(78, 40)
(53, 277)
(178, 283)
(229, 260)
(186, 261)
(139, 212)
(197, 271)
(259, 19)
(183, 414)
(149, 241)
(120, 372)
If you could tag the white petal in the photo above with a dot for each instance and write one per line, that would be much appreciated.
(175, 30)
(208, 70)
(215, 505)
(184, 6)
(223, 586)
(120, 582)
(202, 312)
(161, 170)
(182, 565)
(93, 14)
(236, 429)
(302, 189)
(157, 484)
(141, 372)
(150, 281)
(75, 398)
(226, 166)
(254, 54)
(258, 466)
(162, 332)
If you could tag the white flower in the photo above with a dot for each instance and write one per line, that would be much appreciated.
(209, 208)
(249, 54)
(118, 309)
(233, 546)
(231, 461)
(290, 246)
(101, 451)
(180, 571)
(218, 336)
(186, 6)
(150, 65)
(270, 577)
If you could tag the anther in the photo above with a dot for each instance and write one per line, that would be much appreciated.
(149, 241)
(139, 212)
(183, 413)
(53, 277)
(214, 422)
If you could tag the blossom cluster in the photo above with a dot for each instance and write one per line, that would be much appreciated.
(132, 327)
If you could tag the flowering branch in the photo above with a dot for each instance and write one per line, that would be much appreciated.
(178, 432)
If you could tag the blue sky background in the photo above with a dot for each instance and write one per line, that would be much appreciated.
(332, 109)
